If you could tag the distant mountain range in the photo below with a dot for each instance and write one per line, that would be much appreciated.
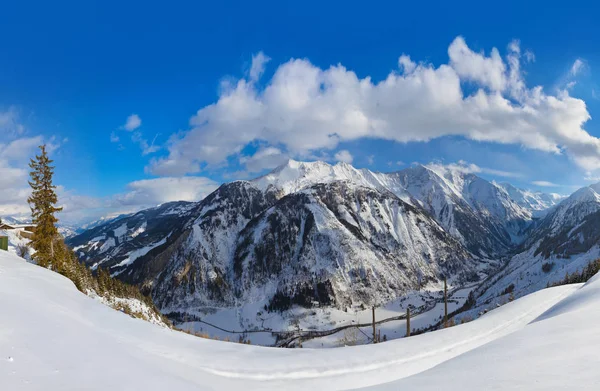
(334, 235)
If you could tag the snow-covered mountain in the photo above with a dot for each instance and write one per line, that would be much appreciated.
(122, 240)
(480, 214)
(477, 212)
(13, 220)
(537, 202)
(310, 233)
(336, 243)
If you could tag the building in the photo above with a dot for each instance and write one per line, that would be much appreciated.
(24, 230)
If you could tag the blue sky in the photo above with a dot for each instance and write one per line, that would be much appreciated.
(72, 74)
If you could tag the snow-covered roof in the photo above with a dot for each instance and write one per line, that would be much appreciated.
(16, 226)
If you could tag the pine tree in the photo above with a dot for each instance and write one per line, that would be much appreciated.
(42, 202)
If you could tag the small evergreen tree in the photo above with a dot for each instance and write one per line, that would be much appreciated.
(43, 201)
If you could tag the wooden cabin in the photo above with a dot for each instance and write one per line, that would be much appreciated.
(24, 230)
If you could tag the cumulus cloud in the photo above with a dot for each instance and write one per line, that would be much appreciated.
(132, 123)
(544, 184)
(304, 109)
(263, 158)
(477, 67)
(344, 156)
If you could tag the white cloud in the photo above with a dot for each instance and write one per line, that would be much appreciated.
(140, 195)
(14, 157)
(470, 168)
(147, 148)
(263, 158)
(476, 67)
(344, 156)
(257, 68)
(529, 56)
(577, 67)
(406, 64)
(151, 192)
(591, 177)
(544, 184)
(502, 173)
(132, 123)
(304, 109)
(10, 124)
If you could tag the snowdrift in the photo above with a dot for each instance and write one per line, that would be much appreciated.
(52, 337)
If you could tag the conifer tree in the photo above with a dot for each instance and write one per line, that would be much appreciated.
(43, 201)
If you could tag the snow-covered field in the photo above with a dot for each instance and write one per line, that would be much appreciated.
(54, 338)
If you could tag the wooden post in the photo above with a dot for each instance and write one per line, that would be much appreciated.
(407, 321)
(374, 332)
(445, 303)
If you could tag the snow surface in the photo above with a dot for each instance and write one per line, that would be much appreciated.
(140, 252)
(557, 351)
(52, 337)
(15, 240)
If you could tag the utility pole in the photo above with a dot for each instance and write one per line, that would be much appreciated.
(408, 321)
(445, 303)
(374, 332)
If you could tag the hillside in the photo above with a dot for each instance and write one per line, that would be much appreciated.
(49, 328)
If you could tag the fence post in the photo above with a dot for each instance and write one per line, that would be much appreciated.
(445, 303)
(407, 321)
(374, 332)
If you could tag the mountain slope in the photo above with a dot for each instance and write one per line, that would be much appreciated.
(564, 241)
(537, 202)
(335, 244)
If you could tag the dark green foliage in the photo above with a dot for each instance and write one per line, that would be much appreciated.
(43, 202)
(579, 277)
(508, 289)
(304, 296)
(547, 267)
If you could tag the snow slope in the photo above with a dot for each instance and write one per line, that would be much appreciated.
(557, 351)
(54, 338)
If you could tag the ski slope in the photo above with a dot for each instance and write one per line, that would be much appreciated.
(54, 338)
